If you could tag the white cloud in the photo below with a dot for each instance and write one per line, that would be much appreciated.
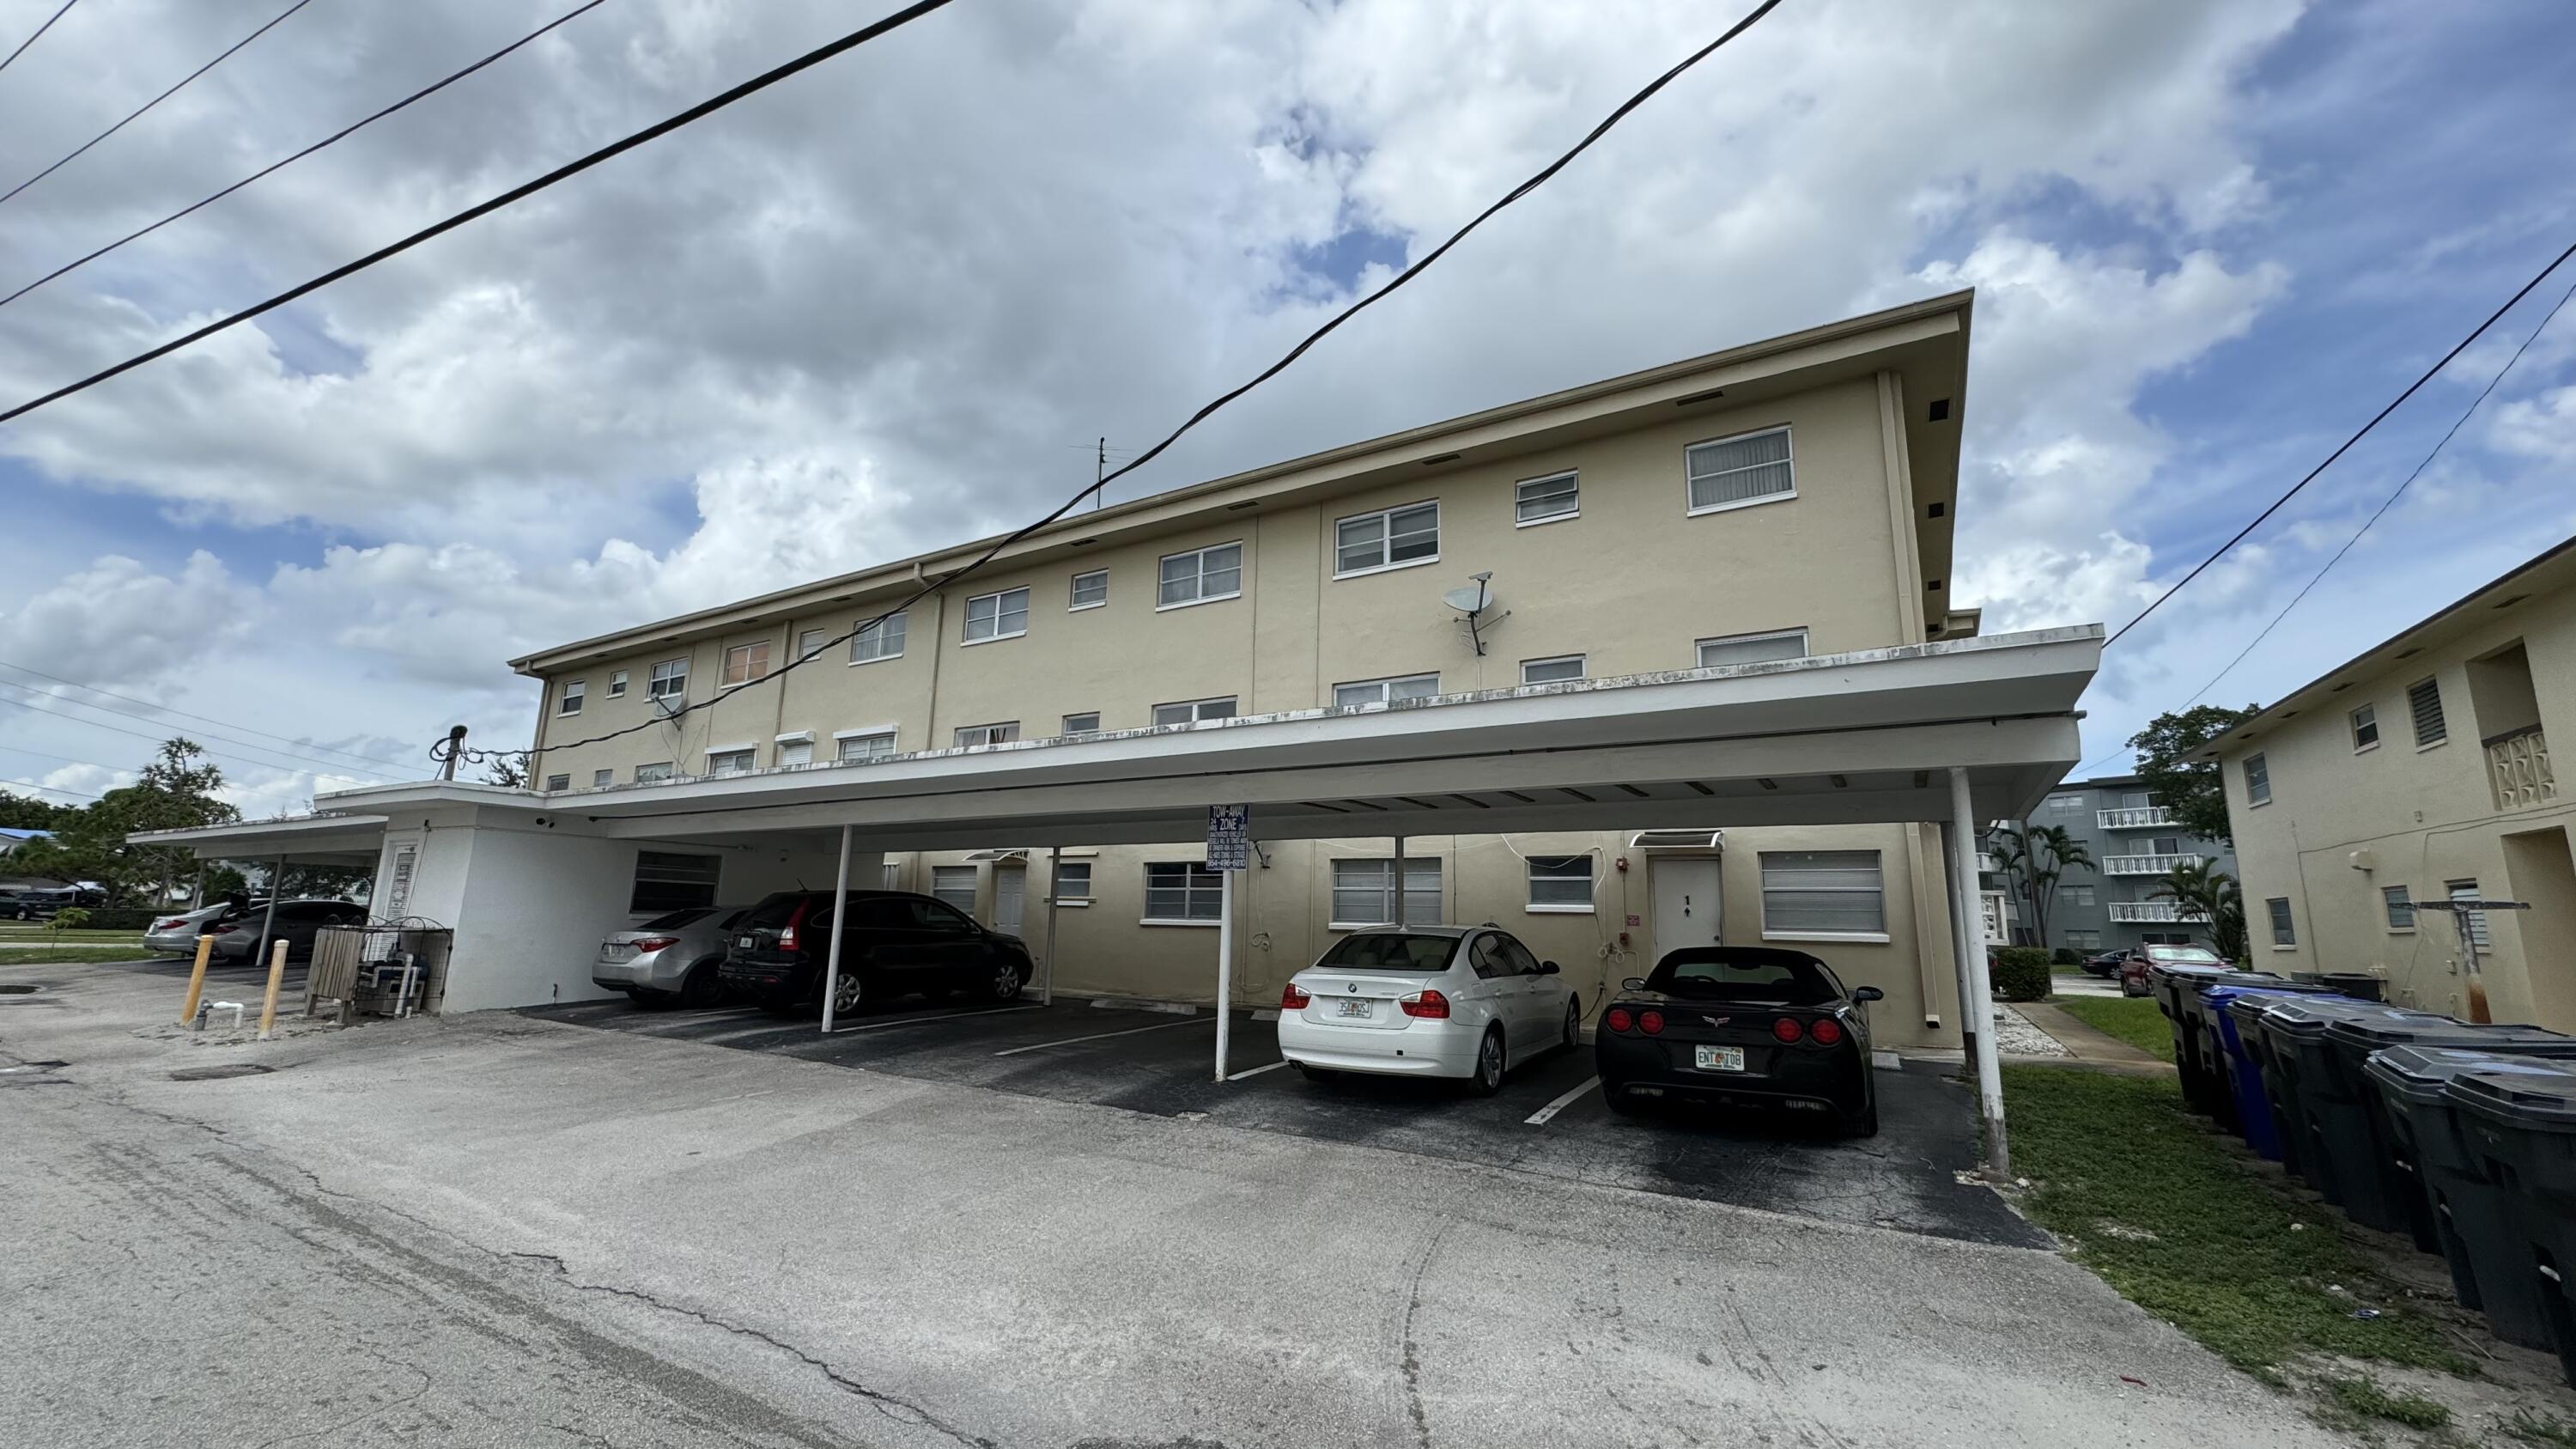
(117, 623)
(2542, 427)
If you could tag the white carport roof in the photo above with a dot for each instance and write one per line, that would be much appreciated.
(328, 838)
(1864, 736)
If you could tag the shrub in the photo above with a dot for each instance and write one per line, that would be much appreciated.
(2020, 973)
(69, 918)
(120, 918)
(2065, 956)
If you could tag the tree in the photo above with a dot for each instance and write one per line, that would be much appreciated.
(2192, 789)
(510, 770)
(26, 812)
(175, 792)
(2213, 896)
(2035, 858)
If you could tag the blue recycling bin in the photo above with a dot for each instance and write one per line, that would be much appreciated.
(2249, 1110)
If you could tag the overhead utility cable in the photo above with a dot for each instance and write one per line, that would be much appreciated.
(289, 740)
(41, 29)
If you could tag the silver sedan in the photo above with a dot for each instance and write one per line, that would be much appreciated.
(669, 960)
(176, 934)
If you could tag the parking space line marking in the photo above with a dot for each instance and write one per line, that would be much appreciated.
(1102, 1036)
(948, 1016)
(1539, 1117)
(1257, 1071)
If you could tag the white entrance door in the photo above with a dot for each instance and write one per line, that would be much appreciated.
(1686, 905)
(1009, 888)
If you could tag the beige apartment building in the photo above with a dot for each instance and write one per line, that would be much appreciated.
(2420, 771)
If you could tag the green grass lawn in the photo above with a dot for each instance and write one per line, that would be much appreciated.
(2133, 1019)
(74, 953)
(19, 931)
(2157, 1204)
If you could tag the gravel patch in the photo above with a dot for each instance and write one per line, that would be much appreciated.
(2015, 1036)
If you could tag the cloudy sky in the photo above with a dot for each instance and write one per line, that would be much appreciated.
(887, 304)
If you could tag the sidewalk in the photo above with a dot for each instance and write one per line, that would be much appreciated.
(2091, 1048)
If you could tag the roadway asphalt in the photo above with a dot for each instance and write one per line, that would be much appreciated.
(512, 1229)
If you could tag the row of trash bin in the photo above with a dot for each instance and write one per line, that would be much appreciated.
(2461, 1136)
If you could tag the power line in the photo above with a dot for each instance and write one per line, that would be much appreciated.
(156, 100)
(292, 763)
(338, 135)
(2429, 374)
(658, 129)
(8, 785)
(301, 746)
(2391, 501)
(41, 29)
(1113, 475)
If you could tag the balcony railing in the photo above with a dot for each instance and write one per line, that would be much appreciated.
(2154, 913)
(2136, 817)
(2518, 767)
(1987, 864)
(2146, 864)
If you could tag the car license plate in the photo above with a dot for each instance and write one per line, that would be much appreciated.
(616, 953)
(1718, 1058)
(1360, 1009)
(742, 943)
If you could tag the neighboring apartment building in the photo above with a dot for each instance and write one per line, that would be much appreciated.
(2420, 771)
(1719, 693)
(2134, 844)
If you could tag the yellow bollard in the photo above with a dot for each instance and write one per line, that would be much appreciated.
(197, 980)
(276, 978)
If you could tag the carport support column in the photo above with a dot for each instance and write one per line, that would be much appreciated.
(1224, 966)
(1046, 967)
(1979, 1008)
(268, 918)
(832, 953)
(1400, 922)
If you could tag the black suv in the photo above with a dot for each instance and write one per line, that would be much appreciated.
(893, 943)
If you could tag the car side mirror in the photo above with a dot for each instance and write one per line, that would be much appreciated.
(1868, 994)
(1548, 968)
(1633, 983)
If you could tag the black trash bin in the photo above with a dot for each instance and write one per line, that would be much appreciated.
(2323, 1090)
(2208, 1046)
(2247, 1012)
(2355, 985)
(2518, 1115)
(2354, 1039)
(2175, 989)
(2241, 1107)
(2472, 1216)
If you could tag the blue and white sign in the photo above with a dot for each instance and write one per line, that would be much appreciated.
(1229, 840)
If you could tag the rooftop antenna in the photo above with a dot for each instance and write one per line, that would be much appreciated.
(1474, 602)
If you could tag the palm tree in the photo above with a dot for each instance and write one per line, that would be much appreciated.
(2209, 895)
(2036, 857)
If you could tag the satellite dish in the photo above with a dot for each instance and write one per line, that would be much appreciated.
(1475, 598)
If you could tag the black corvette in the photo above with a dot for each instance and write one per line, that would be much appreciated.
(1745, 1026)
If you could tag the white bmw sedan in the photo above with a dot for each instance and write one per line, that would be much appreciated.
(1467, 1002)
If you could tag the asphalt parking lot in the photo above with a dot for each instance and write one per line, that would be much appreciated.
(1547, 1120)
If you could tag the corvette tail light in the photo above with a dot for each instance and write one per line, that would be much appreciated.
(1825, 1032)
(1787, 1029)
(654, 943)
(1651, 1022)
(1293, 998)
(1619, 1019)
(1428, 1005)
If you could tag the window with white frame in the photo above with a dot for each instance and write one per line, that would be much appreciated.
(2075, 895)
(668, 680)
(1541, 500)
(1385, 691)
(2399, 902)
(654, 773)
(744, 663)
(2083, 940)
(1393, 538)
(954, 884)
(2068, 805)
(2365, 729)
(880, 640)
(569, 702)
(1836, 894)
(729, 762)
(989, 734)
(1090, 590)
(617, 684)
(1191, 711)
(1200, 576)
(1734, 472)
(1560, 883)
(811, 642)
(601, 779)
(1552, 671)
(558, 782)
(792, 753)
(2424, 702)
(1182, 892)
(1752, 648)
(670, 881)
(1073, 883)
(1003, 615)
(2283, 933)
(2473, 922)
(874, 745)
(1364, 892)
(1085, 723)
(2258, 780)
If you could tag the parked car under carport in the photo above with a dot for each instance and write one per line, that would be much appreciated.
(672, 960)
(296, 923)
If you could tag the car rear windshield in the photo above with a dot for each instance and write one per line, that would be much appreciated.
(676, 919)
(774, 912)
(2183, 953)
(1389, 951)
(1787, 980)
